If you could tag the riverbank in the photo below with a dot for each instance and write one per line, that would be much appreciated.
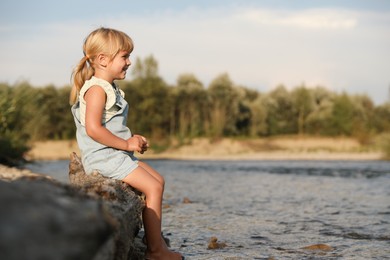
(275, 148)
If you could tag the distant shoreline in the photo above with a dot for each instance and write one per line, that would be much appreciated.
(281, 148)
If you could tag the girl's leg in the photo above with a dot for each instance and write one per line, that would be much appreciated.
(157, 176)
(153, 188)
(152, 172)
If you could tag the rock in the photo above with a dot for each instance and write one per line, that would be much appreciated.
(43, 219)
(318, 247)
(187, 200)
(93, 218)
(123, 205)
(213, 244)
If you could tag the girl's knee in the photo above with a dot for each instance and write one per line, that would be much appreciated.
(155, 189)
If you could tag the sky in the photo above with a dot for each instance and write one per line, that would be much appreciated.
(343, 45)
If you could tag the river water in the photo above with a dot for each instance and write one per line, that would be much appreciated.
(272, 209)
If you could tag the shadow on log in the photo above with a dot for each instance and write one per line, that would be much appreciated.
(123, 206)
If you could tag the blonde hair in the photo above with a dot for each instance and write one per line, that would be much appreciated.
(102, 40)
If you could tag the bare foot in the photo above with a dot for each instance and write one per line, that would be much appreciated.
(164, 255)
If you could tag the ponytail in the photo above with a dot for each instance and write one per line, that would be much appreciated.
(81, 73)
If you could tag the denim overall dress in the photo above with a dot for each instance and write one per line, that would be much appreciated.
(110, 162)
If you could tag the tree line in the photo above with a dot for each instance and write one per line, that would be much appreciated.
(188, 109)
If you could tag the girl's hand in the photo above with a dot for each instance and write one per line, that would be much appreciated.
(137, 143)
(145, 143)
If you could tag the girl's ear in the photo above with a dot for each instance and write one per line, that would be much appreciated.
(102, 60)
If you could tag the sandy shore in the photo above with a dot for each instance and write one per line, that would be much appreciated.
(281, 148)
(13, 173)
(52, 150)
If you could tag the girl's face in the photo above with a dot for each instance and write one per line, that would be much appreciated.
(118, 66)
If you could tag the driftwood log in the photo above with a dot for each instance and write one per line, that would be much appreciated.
(123, 206)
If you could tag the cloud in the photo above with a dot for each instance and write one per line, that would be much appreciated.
(307, 19)
(258, 48)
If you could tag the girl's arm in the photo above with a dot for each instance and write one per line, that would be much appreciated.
(96, 100)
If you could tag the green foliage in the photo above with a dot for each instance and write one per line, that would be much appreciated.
(188, 99)
(381, 118)
(303, 102)
(258, 117)
(188, 109)
(148, 94)
(12, 148)
(28, 114)
(383, 141)
(318, 120)
(281, 114)
(224, 107)
(147, 68)
(342, 115)
(13, 113)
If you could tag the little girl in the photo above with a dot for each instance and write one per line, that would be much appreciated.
(106, 143)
